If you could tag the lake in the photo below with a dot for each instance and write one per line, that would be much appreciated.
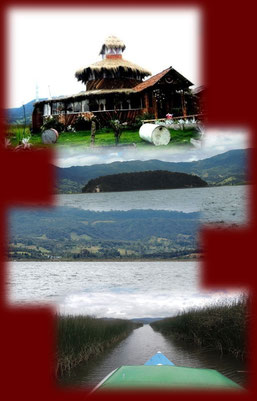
(123, 290)
(111, 289)
(218, 204)
(135, 289)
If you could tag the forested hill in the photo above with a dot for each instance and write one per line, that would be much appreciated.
(72, 233)
(15, 115)
(146, 180)
(223, 169)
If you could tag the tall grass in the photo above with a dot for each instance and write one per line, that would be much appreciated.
(83, 337)
(17, 132)
(221, 326)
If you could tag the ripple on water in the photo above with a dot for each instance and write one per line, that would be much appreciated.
(216, 203)
(140, 346)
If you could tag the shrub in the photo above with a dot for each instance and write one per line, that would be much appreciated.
(82, 123)
(52, 122)
(138, 121)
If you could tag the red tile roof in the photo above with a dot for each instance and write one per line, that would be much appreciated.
(154, 79)
(151, 81)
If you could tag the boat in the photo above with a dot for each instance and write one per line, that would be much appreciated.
(160, 373)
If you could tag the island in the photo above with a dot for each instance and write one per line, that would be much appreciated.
(145, 180)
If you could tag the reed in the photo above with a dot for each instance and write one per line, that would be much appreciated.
(221, 326)
(83, 337)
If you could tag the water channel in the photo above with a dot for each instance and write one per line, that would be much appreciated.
(140, 345)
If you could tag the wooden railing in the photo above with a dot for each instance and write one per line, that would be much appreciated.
(199, 116)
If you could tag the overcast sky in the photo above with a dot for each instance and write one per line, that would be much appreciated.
(122, 305)
(46, 46)
(215, 141)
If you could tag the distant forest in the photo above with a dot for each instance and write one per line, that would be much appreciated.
(146, 180)
(229, 168)
(71, 233)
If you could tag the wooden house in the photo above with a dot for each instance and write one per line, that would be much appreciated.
(117, 89)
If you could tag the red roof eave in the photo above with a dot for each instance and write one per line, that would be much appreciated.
(154, 79)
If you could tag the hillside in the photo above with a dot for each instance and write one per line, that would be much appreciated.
(226, 168)
(15, 115)
(71, 233)
(146, 180)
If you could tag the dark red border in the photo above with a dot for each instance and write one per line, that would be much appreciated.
(27, 342)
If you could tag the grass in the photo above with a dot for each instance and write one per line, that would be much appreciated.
(221, 327)
(16, 133)
(82, 337)
(104, 137)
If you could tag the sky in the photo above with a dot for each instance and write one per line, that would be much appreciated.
(139, 305)
(46, 46)
(215, 141)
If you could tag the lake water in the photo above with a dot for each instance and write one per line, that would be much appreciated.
(134, 289)
(111, 289)
(218, 204)
(143, 343)
(123, 290)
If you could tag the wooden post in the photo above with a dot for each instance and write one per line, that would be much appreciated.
(93, 130)
(155, 108)
(146, 103)
(183, 105)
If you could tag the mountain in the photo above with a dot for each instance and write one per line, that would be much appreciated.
(146, 180)
(227, 168)
(15, 115)
(146, 320)
(71, 233)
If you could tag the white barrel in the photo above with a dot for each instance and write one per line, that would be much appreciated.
(49, 136)
(154, 133)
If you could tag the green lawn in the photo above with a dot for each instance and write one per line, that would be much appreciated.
(103, 137)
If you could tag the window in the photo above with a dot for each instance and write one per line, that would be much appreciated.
(69, 108)
(93, 105)
(47, 109)
(109, 103)
(54, 108)
(135, 103)
(125, 104)
(60, 108)
(85, 106)
(77, 107)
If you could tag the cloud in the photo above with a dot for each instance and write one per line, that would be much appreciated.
(112, 289)
(215, 141)
(139, 304)
(81, 22)
(222, 140)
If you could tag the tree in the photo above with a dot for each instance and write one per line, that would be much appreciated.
(117, 127)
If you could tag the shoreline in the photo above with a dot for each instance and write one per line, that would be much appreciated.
(81, 338)
(197, 258)
(221, 327)
(161, 189)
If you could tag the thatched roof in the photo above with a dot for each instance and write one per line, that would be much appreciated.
(179, 81)
(110, 64)
(84, 94)
(112, 42)
(103, 92)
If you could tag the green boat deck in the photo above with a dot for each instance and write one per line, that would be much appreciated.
(167, 377)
